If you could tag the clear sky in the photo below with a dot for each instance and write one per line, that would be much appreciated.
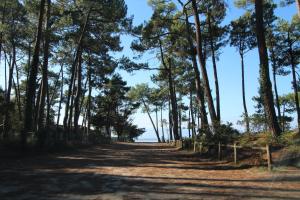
(229, 69)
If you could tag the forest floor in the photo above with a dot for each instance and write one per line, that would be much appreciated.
(139, 171)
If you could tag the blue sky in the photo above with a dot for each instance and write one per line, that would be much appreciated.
(229, 69)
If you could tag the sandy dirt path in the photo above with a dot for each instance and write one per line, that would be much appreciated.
(139, 171)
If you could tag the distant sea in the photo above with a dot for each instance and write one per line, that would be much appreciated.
(146, 140)
(149, 136)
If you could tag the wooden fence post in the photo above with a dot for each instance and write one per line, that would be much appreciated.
(235, 153)
(219, 151)
(269, 157)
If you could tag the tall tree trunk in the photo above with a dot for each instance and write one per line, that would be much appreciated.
(172, 94)
(78, 96)
(189, 122)
(1, 34)
(244, 95)
(295, 87)
(71, 105)
(156, 118)
(212, 47)
(73, 69)
(275, 83)
(199, 90)
(265, 82)
(19, 93)
(31, 83)
(192, 115)
(5, 73)
(152, 122)
(173, 103)
(180, 122)
(283, 118)
(37, 102)
(170, 120)
(8, 93)
(17, 99)
(162, 124)
(201, 57)
(61, 95)
(88, 114)
(44, 89)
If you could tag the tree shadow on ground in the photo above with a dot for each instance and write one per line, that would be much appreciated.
(58, 175)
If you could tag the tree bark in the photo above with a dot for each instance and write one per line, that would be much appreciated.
(156, 117)
(162, 124)
(265, 82)
(88, 114)
(244, 94)
(295, 87)
(61, 95)
(192, 115)
(17, 99)
(189, 122)
(170, 120)
(275, 83)
(201, 57)
(8, 93)
(173, 103)
(44, 89)
(18, 93)
(78, 96)
(180, 122)
(1, 42)
(31, 83)
(212, 47)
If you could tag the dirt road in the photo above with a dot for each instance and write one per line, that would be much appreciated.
(139, 171)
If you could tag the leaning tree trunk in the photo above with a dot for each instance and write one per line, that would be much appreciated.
(244, 95)
(212, 47)
(156, 118)
(201, 57)
(73, 69)
(44, 89)
(295, 87)
(265, 82)
(152, 122)
(275, 84)
(199, 89)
